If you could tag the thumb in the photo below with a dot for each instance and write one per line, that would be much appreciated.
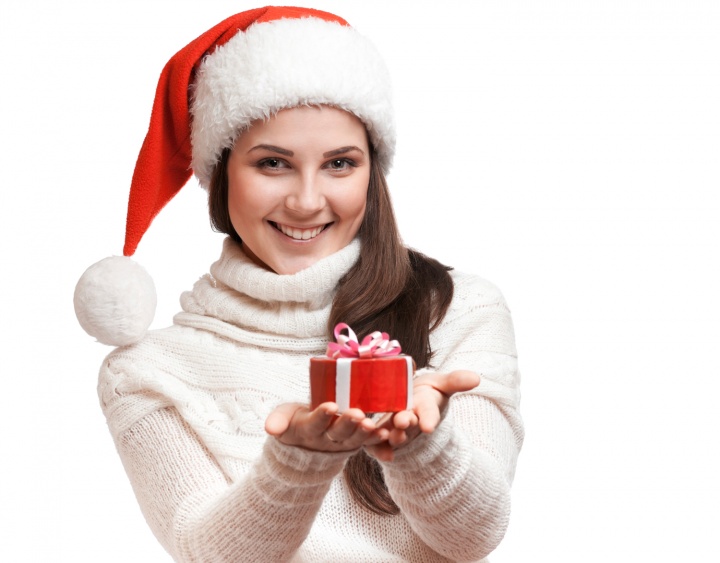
(278, 420)
(457, 381)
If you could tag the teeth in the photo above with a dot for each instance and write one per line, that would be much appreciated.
(300, 234)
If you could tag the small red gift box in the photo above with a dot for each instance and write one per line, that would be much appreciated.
(371, 384)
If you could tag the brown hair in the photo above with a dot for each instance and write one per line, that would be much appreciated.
(390, 288)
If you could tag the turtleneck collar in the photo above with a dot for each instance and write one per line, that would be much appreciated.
(239, 292)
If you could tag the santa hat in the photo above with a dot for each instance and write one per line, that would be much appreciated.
(248, 67)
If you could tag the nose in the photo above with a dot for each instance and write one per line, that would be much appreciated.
(306, 195)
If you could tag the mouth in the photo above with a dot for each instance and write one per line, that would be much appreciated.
(296, 233)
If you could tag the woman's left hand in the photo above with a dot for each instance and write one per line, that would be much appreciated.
(431, 393)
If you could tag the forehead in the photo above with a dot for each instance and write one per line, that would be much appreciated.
(303, 123)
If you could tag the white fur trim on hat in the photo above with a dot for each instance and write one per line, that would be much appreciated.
(282, 64)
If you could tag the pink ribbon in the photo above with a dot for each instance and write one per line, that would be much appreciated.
(375, 345)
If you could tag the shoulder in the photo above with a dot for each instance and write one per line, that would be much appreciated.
(124, 362)
(472, 292)
(478, 320)
(148, 366)
(157, 348)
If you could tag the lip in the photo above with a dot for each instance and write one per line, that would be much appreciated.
(298, 234)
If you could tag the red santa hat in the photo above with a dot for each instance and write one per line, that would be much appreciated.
(248, 67)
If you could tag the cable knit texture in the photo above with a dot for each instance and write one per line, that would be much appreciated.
(186, 407)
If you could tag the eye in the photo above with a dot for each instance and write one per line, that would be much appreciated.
(340, 164)
(272, 163)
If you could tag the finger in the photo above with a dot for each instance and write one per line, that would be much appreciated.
(397, 437)
(428, 415)
(343, 427)
(377, 436)
(312, 429)
(404, 419)
(363, 434)
(319, 419)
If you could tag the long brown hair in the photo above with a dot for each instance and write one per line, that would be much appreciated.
(390, 288)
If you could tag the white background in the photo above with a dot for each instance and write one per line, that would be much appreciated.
(567, 151)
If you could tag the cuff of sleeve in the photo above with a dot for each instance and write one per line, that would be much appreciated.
(293, 459)
(424, 450)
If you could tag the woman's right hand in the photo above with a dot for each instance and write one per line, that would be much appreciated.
(323, 429)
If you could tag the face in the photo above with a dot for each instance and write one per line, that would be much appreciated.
(297, 186)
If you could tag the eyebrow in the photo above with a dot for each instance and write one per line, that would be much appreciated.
(285, 152)
(272, 148)
(341, 150)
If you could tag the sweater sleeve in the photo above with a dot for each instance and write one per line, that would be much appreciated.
(453, 485)
(199, 516)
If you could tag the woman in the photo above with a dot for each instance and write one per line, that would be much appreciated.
(291, 132)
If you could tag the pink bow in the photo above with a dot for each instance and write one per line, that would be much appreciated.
(375, 345)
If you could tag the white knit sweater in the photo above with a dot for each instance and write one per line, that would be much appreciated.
(187, 405)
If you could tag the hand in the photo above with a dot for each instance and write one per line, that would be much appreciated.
(323, 429)
(431, 393)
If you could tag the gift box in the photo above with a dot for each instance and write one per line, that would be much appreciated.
(370, 375)
(371, 385)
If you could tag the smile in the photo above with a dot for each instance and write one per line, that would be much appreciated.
(299, 234)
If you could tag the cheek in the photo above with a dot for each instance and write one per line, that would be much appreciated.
(245, 199)
(351, 208)
(354, 202)
(236, 207)
(237, 200)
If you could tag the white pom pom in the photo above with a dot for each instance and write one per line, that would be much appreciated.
(115, 301)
